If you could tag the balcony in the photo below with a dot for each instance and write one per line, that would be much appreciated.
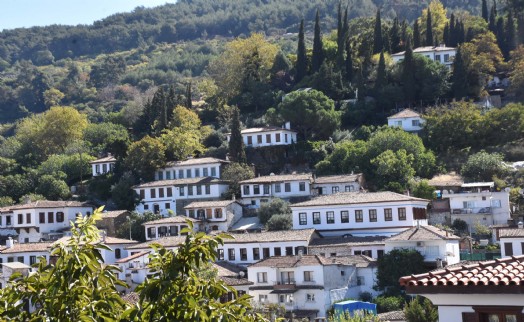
(289, 284)
(465, 211)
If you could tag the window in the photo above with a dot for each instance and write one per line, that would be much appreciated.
(287, 187)
(262, 278)
(246, 190)
(146, 207)
(432, 251)
(398, 123)
(205, 172)
(401, 213)
(372, 215)
(310, 297)
(20, 219)
(308, 276)
(160, 175)
(268, 138)
(8, 220)
(266, 189)
(218, 212)
(208, 189)
(380, 253)
(42, 217)
(199, 190)
(265, 252)
(142, 194)
(508, 249)
(118, 253)
(361, 280)
(27, 218)
(249, 140)
(209, 213)
(213, 172)
(446, 58)
(20, 259)
(243, 254)
(59, 216)
(334, 189)
(32, 259)
(277, 137)
(437, 58)
(277, 187)
(359, 216)
(302, 218)
(161, 192)
(50, 217)
(344, 216)
(231, 254)
(152, 192)
(197, 173)
(330, 217)
(181, 191)
(256, 189)
(277, 251)
(188, 173)
(169, 191)
(189, 190)
(97, 168)
(285, 137)
(302, 186)
(289, 251)
(415, 122)
(496, 203)
(348, 188)
(262, 298)
(287, 277)
(259, 139)
(168, 175)
(180, 174)
(256, 253)
(388, 214)
(167, 205)
(316, 218)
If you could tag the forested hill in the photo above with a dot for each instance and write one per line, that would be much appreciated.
(192, 19)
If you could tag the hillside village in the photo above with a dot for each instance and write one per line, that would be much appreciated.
(360, 162)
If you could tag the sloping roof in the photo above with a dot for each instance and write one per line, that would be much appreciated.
(130, 258)
(346, 198)
(279, 178)
(16, 265)
(211, 204)
(230, 273)
(108, 240)
(312, 260)
(505, 275)
(393, 316)
(338, 178)
(196, 161)
(49, 204)
(405, 113)
(272, 236)
(446, 180)
(511, 233)
(131, 298)
(264, 129)
(104, 160)
(113, 214)
(347, 241)
(25, 248)
(178, 182)
(247, 223)
(423, 233)
(171, 241)
(171, 220)
(425, 49)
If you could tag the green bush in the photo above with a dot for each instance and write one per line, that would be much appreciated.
(389, 303)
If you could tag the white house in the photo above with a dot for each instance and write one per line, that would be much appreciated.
(117, 247)
(215, 215)
(267, 136)
(166, 196)
(327, 185)
(169, 226)
(27, 253)
(307, 285)
(433, 243)
(360, 213)
(192, 168)
(8, 269)
(103, 165)
(511, 241)
(41, 220)
(484, 291)
(407, 119)
(286, 186)
(370, 246)
(442, 54)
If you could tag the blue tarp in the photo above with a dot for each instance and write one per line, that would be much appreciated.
(352, 306)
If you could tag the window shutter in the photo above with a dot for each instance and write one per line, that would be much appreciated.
(469, 317)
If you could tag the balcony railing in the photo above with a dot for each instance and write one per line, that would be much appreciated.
(477, 210)
(285, 284)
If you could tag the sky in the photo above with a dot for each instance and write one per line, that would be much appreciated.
(28, 13)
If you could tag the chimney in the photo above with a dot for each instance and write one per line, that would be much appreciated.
(300, 253)
(287, 125)
(234, 197)
(439, 263)
(109, 154)
(10, 242)
(418, 224)
(520, 224)
(27, 199)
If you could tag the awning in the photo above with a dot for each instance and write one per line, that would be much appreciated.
(288, 291)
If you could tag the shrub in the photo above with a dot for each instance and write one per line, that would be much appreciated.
(389, 303)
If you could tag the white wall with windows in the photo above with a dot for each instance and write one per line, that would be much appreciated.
(193, 168)
(486, 207)
(447, 250)
(409, 124)
(262, 137)
(247, 253)
(256, 193)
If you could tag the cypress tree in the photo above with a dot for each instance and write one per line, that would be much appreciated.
(492, 25)
(301, 67)
(520, 30)
(501, 35)
(377, 35)
(394, 36)
(318, 51)
(469, 35)
(452, 38)
(404, 34)
(459, 79)
(380, 82)
(344, 34)
(445, 35)
(495, 7)
(189, 103)
(461, 33)
(340, 32)
(485, 13)
(416, 35)
(511, 34)
(345, 27)
(408, 74)
(429, 30)
(349, 62)
(236, 143)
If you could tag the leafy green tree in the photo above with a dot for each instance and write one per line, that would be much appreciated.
(301, 64)
(395, 264)
(517, 72)
(73, 165)
(483, 166)
(393, 170)
(459, 225)
(415, 311)
(107, 137)
(318, 52)
(145, 156)
(17, 185)
(237, 151)
(311, 113)
(6, 201)
(423, 190)
(389, 303)
(234, 173)
(52, 188)
(108, 71)
(136, 221)
(122, 193)
(53, 97)
(378, 44)
(280, 222)
(277, 206)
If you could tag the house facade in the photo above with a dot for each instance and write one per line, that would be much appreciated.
(192, 168)
(327, 185)
(442, 54)
(360, 214)
(170, 226)
(103, 165)
(407, 119)
(370, 246)
(215, 215)
(439, 247)
(118, 247)
(166, 196)
(287, 186)
(511, 241)
(267, 136)
(27, 253)
(112, 220)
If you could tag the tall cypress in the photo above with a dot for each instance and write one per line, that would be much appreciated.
(340, 32)
(501, 35)
(189, 103)
(485, 13)
(459, 78)
(445, 34)
(492, 25)
(301, 67)
(520, 30)
(408, 74)
(344, 33)
(377, 35)
(349, 62)
(416, 35)
(452, 38)
(511, 34)
(318, 51)
(429, 30)
(380, 82)
(394, 36)
(236, 143)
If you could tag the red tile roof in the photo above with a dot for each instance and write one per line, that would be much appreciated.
(504, 275)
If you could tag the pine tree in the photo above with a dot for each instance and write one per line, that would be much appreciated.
(301, 67)
(380, 82)
(349, 62)
(485, 13)
(318, 51)
(237, 152)
(377, 35)
(429, 30)
(492, 25)
(408, 73)
(459, 79)
(394, 36)
(511, 35)
(189, 103)
(416, 35)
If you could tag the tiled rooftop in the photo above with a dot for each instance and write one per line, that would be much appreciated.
(196, 161)
(312, 260)
(511, 233)
(25, 248)
(130, 258)
(114, 213)
(423, 233)
(446, 180)
(279, 178)
(171, 220)
(405, 113)
(501, 275)
(178, 182)
(230, 273)
(392, 316)
(346, 198)
(172, 241)
(210, 204)
(49, 204)
(104, 160)
(273, 236)
(108, 240)
(338, 178)
(264, 129)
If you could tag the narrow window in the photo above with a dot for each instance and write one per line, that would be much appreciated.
(169, 191)
(344, 216)
(388, 214)
(27, 218)
(302, 218)
(50, 217)
(256, 253)
(372, 215)
(59, 216)
(161, 192)
(152, 193)
(302, 186)
(401, 213)
(359, 217)
(316, 218)
(330, 217)
(287, 187)
(42, 217)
